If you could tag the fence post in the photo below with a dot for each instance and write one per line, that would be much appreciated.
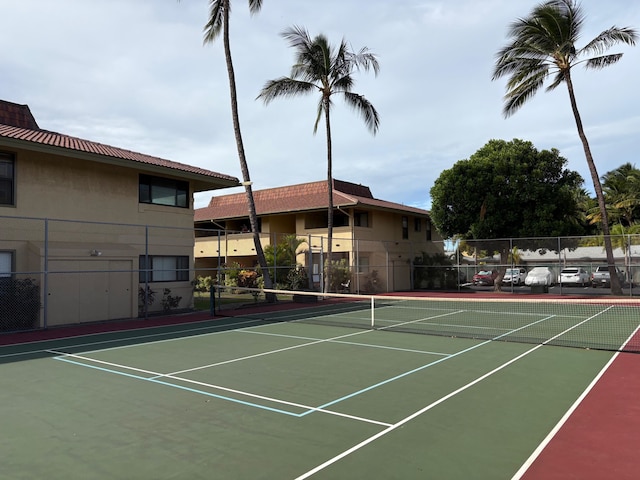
(45, 280)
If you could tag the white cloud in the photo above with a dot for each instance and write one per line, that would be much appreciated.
(135, 74)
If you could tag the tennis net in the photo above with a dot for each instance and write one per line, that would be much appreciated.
(598, 323)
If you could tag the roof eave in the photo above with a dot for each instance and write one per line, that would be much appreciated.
(200, 182)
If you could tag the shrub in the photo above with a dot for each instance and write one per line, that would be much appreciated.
(19, 304)
(340, 273)
(169, 302)
(148, 295)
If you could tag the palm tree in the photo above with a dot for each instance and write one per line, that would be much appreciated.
(621, 189)
(219, 12)
(322, 68)
(544, 43)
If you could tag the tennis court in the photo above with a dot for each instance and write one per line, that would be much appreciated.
(336, 389)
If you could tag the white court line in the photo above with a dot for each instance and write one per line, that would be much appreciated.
(536, 453)
(356, 344)
(270, 352)
(397, 425)
(155, 376)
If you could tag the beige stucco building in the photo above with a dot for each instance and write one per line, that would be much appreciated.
(371, 234)
(91, 223)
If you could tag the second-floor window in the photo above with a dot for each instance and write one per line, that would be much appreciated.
(405, 228)
(361, 219)
(164, 191)
(7, 179)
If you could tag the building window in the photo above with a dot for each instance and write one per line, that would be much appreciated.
(363, 265)
(164, 191)
(405, 228)
(315, 220)
(164, 268)
(7, 179)
(417, 224)
(6, 264)
(361, 219)
(428, 230)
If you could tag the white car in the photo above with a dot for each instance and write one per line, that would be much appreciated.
(573, 276)
(539, 276)
(515, 276)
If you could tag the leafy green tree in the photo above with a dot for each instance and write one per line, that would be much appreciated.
(544, 43)
(319, 67)
(622, 193)
(218, 23)
(507, 190)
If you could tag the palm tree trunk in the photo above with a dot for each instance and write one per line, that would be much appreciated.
(616, 288)
(253, 218)
(328, 264)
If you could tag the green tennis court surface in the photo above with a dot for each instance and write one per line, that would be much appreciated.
(240, 398)
(275, 397)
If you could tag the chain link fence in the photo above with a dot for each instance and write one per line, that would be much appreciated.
(60, 272)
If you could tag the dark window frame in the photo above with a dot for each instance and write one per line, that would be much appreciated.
(361, 219)
(152, 188)
(405, 228)
(8, 179)
(157, 274)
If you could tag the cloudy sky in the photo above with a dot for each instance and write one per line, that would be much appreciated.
(135, 74)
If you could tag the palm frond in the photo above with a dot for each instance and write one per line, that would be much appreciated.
(558, 79)
(608, 39)
(520, 91)
(365, 60)
(364, 107)
(255, 6)
(319, 115)
(284, 87)
(598, 63)
(213, 27)
(343, 84)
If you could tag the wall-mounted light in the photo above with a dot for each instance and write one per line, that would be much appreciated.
(95, 253)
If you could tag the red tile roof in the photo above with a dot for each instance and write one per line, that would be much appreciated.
(30, 133)
(296, 198)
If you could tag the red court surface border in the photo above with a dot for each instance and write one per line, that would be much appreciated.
(599, 440)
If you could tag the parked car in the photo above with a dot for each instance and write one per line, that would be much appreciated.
(484, 277)
(573, 276)
(539, 276)
(515, 276)
(600, 277)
